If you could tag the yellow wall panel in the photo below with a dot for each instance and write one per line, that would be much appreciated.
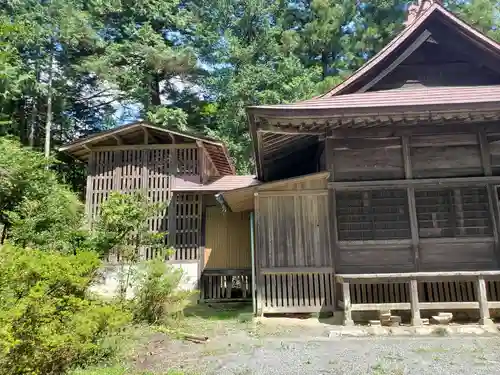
(227, 239)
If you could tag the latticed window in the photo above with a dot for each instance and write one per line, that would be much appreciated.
(372, 215)
(453, 212)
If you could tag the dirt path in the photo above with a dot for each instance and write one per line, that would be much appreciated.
(245, 348)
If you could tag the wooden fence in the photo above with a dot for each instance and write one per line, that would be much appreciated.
(296, 290)
(467, 290)
(226, 285)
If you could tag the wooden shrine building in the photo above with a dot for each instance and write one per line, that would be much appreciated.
(211, 246)
(383, 192)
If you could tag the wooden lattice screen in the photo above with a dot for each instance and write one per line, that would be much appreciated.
(149, 170)
(373, 215)
(187, 226)
(460, 212)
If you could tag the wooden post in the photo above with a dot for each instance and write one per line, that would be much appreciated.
(494, 208)
(415, 309)
(347, 305)
(259, 278)
(484, 312)
(412, 209)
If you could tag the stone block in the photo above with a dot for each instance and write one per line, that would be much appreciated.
(442, 319)
(469, 330)
(378, 331)
(374, 323)
(423, 331)
(354, 331)
(395, 321)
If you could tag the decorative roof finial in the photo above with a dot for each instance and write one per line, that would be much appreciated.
(415, 9)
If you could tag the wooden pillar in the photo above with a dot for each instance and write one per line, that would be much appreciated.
(493, 206)
(416, 320)
(332, 217)
(347, 305)
(484, 312)
(259, 278)
(412, 209)
(90, 187)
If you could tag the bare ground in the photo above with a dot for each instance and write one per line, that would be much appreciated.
(239, 346)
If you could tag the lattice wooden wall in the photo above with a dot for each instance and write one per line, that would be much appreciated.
(150, 170)
(187, 226)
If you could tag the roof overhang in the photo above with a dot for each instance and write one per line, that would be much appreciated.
(143, 133)
(243, 199)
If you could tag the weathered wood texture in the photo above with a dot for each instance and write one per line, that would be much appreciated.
(407, 293)
(298, 292)
(293, 231)
(151, 169)
(227, 239)
(450, 226)
(437, 64)
(226, 285)
(187, 226)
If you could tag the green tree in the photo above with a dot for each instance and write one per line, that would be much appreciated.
(36, 210)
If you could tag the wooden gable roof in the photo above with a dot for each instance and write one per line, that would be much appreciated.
(142, 132)
(387, 90)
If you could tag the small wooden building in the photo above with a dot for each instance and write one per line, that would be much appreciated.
(211, 246)
(382, 193)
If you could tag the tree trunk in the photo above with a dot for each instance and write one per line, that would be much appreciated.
(34, 110)
(155, 91)
(324, 63)
(48, 124)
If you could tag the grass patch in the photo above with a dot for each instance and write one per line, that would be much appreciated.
(221, 311)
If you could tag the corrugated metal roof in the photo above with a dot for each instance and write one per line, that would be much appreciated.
(223, 183)
(414, 97)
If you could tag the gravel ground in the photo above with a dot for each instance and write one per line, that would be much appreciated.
(305, 350)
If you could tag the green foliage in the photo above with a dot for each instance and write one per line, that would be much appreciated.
(157, 295)
(187, 65)
(122, 227)
(38, 210)
(48, 324)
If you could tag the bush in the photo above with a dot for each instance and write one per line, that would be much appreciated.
(157, 293)
(47, 322)
(36, 210)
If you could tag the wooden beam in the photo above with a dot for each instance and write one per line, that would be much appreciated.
(142, 147)
(425, 182)
(259, 281)
(420, 276)
(416, 320)
(411, 48)
(118, 139)
(295, 270)
(347, 305)
(293, 193)
(482, 296)
(493, 205)
(412, 207)
(289, 130)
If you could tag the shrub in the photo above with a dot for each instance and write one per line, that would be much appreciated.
(47, 322)
(36, 210)
(157, 294)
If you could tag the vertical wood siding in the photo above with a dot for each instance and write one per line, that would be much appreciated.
(227, 239)
(294, 231)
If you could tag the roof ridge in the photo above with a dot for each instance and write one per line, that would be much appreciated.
(400, 39)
